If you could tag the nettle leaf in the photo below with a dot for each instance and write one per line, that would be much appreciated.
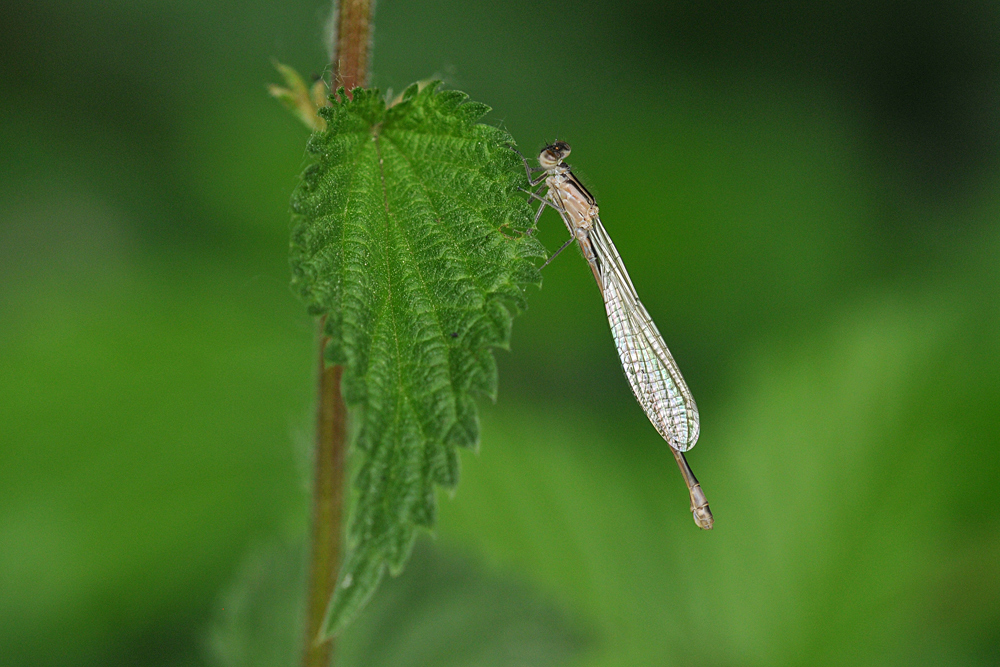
(410, 239)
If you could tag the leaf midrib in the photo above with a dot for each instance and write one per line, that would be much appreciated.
(465, 258)
(389, 217)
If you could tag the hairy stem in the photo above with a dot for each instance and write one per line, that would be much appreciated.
(350, 61)
(353, 44)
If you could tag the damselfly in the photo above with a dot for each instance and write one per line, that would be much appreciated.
(651, 370)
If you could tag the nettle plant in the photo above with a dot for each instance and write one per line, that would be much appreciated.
(411, 239)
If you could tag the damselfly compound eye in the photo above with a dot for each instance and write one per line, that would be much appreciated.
(548, 158)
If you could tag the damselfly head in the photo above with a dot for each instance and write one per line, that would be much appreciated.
(553, 154)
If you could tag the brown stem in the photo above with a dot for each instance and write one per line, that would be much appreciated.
(353, 48)
(350, 69)
(327, 508)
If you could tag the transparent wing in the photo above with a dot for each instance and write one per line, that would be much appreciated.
(650, 368)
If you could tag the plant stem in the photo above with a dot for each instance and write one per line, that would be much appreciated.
(350, 69)
(353, 47)
(327, 507)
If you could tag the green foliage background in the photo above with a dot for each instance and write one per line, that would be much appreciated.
(806, 197)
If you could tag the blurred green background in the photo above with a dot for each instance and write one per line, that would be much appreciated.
(806, 195)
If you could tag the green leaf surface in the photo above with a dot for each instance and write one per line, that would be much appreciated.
(410, 239)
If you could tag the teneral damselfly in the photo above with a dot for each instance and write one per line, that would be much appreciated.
(650, 368)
